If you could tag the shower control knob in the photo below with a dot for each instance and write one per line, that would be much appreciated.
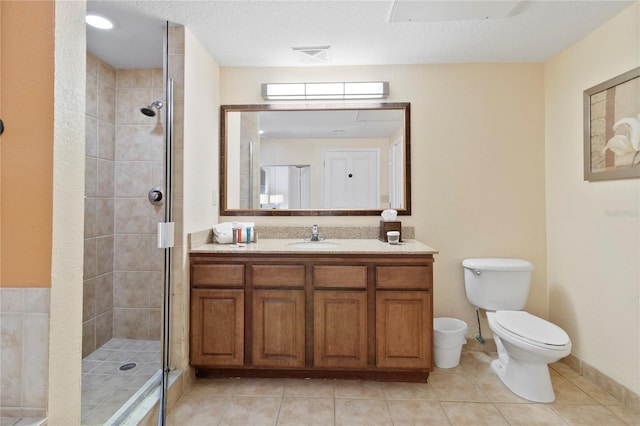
(156, 197)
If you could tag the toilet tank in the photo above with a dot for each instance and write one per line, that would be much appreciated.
(497, 283)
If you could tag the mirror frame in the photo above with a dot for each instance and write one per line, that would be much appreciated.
(225, 211)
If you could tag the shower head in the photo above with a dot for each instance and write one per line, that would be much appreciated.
(149, 110)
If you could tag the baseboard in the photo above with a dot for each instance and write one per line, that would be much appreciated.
(615, 389)
(623, 394)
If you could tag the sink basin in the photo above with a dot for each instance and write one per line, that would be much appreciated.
(313, 245)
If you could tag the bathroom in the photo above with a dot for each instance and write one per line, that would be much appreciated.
(491, 160)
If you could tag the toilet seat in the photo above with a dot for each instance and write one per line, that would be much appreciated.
(535, 331)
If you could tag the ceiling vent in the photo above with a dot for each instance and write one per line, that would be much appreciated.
(442, 11)
(311, 55)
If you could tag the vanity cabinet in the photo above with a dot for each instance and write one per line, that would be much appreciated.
(312, 315)
(222, 344)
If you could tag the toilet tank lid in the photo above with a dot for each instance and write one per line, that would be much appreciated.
(497, 264)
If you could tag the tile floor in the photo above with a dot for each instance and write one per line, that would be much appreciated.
(106, 388)
(469, 394)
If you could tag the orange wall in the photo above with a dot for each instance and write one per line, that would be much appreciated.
(26, 146)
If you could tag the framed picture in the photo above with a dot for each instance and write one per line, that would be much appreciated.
(612, 128)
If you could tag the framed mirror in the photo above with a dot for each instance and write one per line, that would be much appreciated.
(315, 159)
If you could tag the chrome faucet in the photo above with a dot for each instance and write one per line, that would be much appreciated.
(315, 236)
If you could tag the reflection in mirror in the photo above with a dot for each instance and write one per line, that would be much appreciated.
(314, 160)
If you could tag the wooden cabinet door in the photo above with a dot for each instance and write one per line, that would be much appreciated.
(403, 329)
(278, 328)
(340, 328)
(217, 327)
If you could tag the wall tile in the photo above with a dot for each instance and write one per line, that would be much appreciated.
(90, 176)
(106, 103)
(104, 216)
(104, 255)
(137, 253)
(106, 74)
(135, 216)
(37, 300)
(156, 289)
(92, 64)
(129, 102)
(176, 72)
(131, 289)
(104, 293)
(11, 300)
(176, 39)
(90, 217)
(36, 356)
(88, 337)
(133, 143)
(133, 178)
(135, 78)
(88, 299)
(157, 78)
(106, 140)
(91, 136)
(104, 328)
(11, 332)
(158, 174)
(90, 258)
(154, 324)
(91, 93)
(130, 323)
(106, 178)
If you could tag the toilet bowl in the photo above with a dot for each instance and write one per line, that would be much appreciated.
(526, 345)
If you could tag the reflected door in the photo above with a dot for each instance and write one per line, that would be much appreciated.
(351, 179)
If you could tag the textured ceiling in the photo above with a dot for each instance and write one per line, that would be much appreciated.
(262, 33)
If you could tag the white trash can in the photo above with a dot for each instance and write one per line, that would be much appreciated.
(448, 338)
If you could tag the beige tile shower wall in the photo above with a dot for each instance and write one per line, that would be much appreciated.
(24, 352)
(97, 312)
(179, 299)
(139, 166)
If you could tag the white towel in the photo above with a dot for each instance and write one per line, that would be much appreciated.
(223, 232)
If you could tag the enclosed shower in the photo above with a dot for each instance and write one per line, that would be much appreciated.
(129, 118)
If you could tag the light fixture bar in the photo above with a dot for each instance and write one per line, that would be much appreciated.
(339, 90)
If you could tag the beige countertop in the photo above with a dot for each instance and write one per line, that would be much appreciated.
(329, 246)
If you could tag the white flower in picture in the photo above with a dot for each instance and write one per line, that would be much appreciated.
(626, 145)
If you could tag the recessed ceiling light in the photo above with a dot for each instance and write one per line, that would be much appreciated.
(100, 22)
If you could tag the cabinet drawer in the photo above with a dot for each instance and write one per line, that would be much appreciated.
(407, 277)
(217, 275)
(278, 275)
(340, 276)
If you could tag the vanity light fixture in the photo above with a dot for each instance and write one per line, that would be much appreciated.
(311, 91)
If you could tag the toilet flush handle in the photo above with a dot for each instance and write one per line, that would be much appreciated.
(476, 271)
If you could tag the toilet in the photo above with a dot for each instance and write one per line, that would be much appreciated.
(526, 344)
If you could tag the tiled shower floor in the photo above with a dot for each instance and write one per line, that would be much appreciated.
(106, 388)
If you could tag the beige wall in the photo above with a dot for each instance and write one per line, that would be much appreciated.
(477, 153)
(199, 185)
(593, 229)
